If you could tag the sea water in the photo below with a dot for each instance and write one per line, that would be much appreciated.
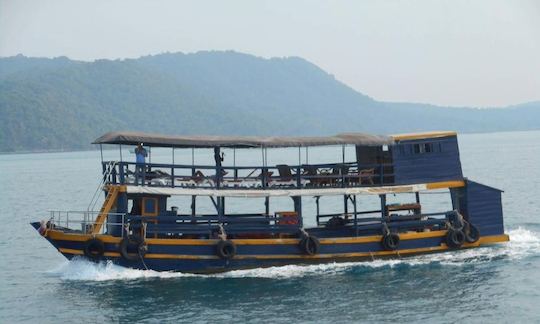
(491, 284)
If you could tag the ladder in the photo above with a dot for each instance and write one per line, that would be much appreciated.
(109, 202)
(109, 169)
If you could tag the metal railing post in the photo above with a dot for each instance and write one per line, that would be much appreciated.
(122, 176)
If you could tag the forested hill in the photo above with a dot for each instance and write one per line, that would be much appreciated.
(51, 104)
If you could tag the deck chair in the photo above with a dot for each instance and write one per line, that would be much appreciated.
(267, 176)
(365, 176)
(285, 173)
(313, 175)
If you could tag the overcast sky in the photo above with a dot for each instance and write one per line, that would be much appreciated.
(474, 53)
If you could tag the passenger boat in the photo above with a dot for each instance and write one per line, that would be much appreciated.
(136, 227)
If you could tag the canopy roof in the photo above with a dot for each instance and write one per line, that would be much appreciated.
(158, 140)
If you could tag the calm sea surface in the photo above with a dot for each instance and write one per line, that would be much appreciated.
(492, 284)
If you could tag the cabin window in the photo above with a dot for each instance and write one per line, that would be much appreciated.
(423, 148)
(150, 206)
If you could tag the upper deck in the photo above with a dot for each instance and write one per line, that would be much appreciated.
(396, 160)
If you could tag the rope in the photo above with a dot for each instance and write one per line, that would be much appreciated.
(141, 247)
(142, 260)
(222, 235)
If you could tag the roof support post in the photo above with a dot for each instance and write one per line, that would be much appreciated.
(299, 168)
(298, 209)
(172, 169)
(355, 215)
(317, 208)
(383, 205)
(264, 169)
(234, 164)
(218, 158)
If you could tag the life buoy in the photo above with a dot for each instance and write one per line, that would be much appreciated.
(390, 241)
(94, 249)
(455, 238)
(310, 245)
(133, 247)
(472, 234)
(226, 249)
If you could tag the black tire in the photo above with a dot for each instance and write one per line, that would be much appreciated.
(94, 249)
(226, 249)
(310, 245)
(132, 248)
(455, 238)
(390, 241)
(472, 234)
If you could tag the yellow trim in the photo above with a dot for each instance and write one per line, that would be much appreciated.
(415, 136)
(120, 188)
(180, 256)
(445, 184)
(71, 251)
(110, 201)
(61, 236)
(483, 241)
(81, 252)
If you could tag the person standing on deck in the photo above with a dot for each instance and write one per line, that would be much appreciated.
(140, 169)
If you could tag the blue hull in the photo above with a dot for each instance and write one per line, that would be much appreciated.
(199, 256)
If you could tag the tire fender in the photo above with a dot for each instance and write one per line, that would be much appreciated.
(94, 249)
(310, 245)
(226, 249)
(131, 243)
(390, 241)
(455, 238)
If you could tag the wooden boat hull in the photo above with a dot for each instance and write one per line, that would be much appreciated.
(199, 255)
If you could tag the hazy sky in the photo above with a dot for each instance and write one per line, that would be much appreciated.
(479, 53)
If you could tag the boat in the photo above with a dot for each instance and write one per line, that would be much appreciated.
(137, 227)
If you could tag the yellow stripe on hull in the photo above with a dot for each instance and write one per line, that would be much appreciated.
(61, 236)
(443, 247)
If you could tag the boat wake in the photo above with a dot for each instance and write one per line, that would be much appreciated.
(523, 243)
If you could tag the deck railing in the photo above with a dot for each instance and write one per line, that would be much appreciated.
(83, 221)
(244, 225)
(333, 175)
